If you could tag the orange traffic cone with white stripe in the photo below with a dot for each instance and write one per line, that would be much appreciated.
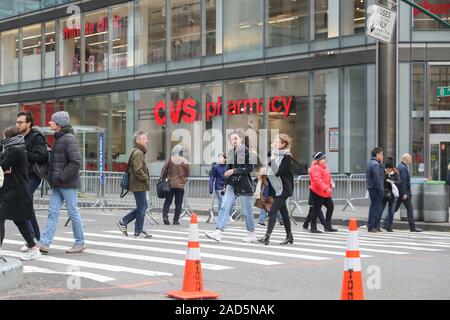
(193, 280)
(352, 287)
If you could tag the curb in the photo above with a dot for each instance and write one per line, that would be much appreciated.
(11, 274)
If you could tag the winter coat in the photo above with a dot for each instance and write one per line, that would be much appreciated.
(405, 184)
(239, 161)
(36, 149)
(320, 180)
(388, 186)
(375, 175)
(217, 178)
(65, 162)
(15, 203)
(283, 172)
(139, 175)
(178, 169)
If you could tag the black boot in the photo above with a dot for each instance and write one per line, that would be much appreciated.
(329, 228)
(289, 239)
(265, 239)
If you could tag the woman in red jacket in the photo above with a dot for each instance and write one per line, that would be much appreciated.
(321, 190)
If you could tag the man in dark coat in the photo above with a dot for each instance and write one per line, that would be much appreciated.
(404, 191)
(375, 186)
(239, 183)
(36, 150)
(64, 178)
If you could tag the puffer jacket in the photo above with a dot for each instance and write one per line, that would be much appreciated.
(320, 179)
(375, 175)
(139, 175)
(65, 162)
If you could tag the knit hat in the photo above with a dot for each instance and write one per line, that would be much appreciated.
(319, 156)
(61, 118)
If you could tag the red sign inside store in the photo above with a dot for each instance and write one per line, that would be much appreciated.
(186, 110)
(92, 28)
(438, 8)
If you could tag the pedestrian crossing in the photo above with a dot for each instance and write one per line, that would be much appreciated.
(115, 259)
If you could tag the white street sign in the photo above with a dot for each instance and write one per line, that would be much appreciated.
(381, 23)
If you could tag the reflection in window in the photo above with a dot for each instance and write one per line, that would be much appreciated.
(69, 53)
(288, 22)
(353, 16)
(150, 32)
(212, 43)
(9, 58)
(96, 41)
(50, 46)
(441, 8)
(122, 49)
(31, 52)
(185, 33)
(326, 19)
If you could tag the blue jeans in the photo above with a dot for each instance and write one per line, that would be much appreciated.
(33, 226)
(389, 220)
(138, 213)
(219, 197)
(57, 198)
(375, 209)
(228, 201)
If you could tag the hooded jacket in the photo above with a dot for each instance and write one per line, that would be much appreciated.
(320, 179)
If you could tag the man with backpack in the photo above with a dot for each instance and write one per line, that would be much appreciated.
(36, 150)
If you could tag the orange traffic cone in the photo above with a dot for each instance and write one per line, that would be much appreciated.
(193, 281)
(352, 288)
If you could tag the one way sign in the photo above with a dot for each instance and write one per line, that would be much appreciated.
(381, 23)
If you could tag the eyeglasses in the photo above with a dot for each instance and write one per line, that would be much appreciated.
(20, 122)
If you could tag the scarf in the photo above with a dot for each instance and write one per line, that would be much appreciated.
(17, 141)
(272, 170)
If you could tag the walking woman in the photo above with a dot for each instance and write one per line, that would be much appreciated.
(139, 185)
(281, 185)
(15, 201)
(178, 169)
(391, 182)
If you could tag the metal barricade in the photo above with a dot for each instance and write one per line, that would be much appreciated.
(300, 196)
(357, 188)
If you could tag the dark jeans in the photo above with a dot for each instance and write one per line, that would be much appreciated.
(317, 203)
(279, 204)
(33, 226)
(308, 217)
(409, 210)
(24, 231)
(387, 223)
(375, 209)
(178, 193)
(138, 213)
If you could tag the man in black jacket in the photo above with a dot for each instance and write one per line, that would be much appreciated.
(64, 178)
(36, 150)
(375, 186)
(404, 191)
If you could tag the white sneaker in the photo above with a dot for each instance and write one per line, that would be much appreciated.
(24, 248)
(215, 235)
(32, 254)
(250, 238)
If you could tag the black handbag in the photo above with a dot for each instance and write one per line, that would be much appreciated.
(163, 188)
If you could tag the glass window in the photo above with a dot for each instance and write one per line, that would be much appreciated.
(287, 106)
(50, 46)
(326, 116)
(418, 125)
(8, 116)
(6, 9)
(96, 41)
(148, 102)
(120, 130)
(185, 32)
(421, 21)
(288, 22)
(73, 107)
(213, 28)
(353, 16)
(326, 19)
(122, 35)
(32, 5)
(243, 29)
(439, 77)
(69, 48)
(9, 47)
(35, 109)
(31, 52)
(150, 32)
(212, 121)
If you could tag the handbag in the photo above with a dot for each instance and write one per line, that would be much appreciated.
(163, 188)
(125, 182)
(264, 203)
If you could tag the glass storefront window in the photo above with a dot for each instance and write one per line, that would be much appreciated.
(213, 131)
(69, 48)
(213, 28)
(31, 52)
(35, 109)
(150, 32)
(421, 21)
(96, 41)
(418, 125)
(439, 77)
(243, 29)
(73, 107)
(288, 22)
(146, 102)
(353, 16)
(50, 46)
(185, 42)
(122, 35)
(326, 19)
(9, 47)
(120, 129)
(287, 106)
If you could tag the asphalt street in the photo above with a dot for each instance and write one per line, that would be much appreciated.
(399, 265)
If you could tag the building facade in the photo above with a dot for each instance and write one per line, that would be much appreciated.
(195, 68)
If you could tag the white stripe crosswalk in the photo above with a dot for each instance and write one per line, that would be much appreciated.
(167, 251)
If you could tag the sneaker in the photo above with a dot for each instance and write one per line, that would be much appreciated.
(250, 238)
(122, 228)
(76, 248)
(143, 235)
(24, 248)
(43, 248)
(31, 254)
(262, 224)
(215, 235)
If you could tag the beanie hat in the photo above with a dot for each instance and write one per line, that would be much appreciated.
(61, 118)
(319, 156)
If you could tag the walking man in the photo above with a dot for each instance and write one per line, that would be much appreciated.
(405, 194)
(375, 186)
(64, 178)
